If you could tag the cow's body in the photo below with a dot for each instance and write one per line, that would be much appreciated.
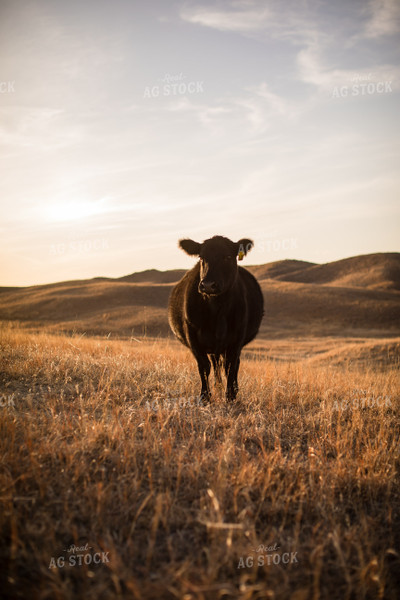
(216, 308)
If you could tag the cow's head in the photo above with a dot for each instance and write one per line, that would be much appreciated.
(218, 266)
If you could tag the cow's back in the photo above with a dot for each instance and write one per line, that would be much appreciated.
(254, 302)
(178, 298)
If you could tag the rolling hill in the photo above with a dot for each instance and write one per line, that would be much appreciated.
(375, 271)
(354, 296)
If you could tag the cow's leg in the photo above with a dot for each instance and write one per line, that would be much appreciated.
(203, 364)
(215, 358)
(232, 362)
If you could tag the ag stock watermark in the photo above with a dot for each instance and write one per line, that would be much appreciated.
(7, 87)
(363, 400)
(78, 556)
(7, 400)
(174, 85)
(266, 555)
(79, 247)
(278, 244)
(172, 399)
(362, 85)
(270, 245)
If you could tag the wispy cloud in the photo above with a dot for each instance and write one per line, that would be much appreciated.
(252, 111)
(384, 18)
(295, 21)
(323, 44)
(316, 66)
(240, 16)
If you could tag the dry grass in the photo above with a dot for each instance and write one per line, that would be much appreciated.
(176, 496)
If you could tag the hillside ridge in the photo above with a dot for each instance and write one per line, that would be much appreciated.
(356, 295)
(376, 271)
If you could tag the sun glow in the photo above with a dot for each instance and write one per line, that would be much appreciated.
(73, 210)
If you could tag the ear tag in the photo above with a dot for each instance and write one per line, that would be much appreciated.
(240, 255)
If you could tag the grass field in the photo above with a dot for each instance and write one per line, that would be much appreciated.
(117, 483)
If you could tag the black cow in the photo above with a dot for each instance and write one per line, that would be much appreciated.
(216, 308)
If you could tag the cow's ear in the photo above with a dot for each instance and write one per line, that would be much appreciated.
(190, 247)
(243, 246)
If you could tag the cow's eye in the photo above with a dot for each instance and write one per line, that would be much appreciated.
(228, 257)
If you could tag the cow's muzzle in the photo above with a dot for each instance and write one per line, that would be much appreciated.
(210, 288)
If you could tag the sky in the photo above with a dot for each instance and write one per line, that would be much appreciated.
(127, 125)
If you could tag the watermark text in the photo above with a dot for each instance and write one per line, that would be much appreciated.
(78, 556)
(174, 85)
